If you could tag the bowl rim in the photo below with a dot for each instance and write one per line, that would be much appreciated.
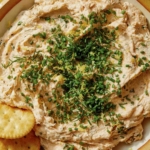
(6, 6)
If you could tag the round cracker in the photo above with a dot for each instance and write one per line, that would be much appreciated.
(15, 122)
(28, 142)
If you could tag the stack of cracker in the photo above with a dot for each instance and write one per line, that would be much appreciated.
(16, 129)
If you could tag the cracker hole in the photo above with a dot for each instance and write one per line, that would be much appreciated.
(4, 112)
(15, 127)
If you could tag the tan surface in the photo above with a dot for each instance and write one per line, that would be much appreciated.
(146, 146)
(145, 3)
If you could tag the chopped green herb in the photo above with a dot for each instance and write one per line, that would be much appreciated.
(79, 66)
(123, 12)
(146, 93)
(19, 23)
(143, 44)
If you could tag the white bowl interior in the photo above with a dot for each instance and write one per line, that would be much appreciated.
(11, 15)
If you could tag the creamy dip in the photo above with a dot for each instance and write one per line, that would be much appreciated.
(82, 68)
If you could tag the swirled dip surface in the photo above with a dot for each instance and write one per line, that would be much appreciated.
(82, 68)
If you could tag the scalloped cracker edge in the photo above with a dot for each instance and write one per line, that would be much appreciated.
(15, 122)
(28, 142)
